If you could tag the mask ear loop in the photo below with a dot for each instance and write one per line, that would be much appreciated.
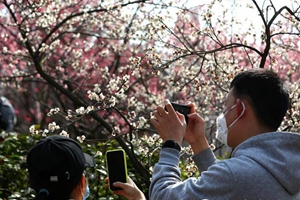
(244, 108)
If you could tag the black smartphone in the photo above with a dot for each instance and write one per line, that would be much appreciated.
(116, 167)
(181, 108)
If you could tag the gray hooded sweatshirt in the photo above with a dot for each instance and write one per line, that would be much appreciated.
(266, 166)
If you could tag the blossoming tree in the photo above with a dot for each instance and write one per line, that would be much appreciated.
(95, 70)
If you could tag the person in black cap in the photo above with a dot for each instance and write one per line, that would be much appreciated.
(56, 167)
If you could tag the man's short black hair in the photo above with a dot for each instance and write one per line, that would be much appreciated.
(266, 93)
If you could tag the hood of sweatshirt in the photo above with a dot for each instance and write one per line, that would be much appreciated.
(278, 153)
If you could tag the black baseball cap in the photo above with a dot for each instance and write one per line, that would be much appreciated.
(56, 163)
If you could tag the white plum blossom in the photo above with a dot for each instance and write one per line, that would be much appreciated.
(99, 153)
(112, 101)
(101, 97)
(80, 110)
(90, 109)
(113, 83)
(212, 146)
(142, 122)
(126, 77)
(81, 138)
(68, 117)
(5, 49)
(120, 93)
(52, 127)
(131, 101)
(97, 88)
(104, 53)
(64, 133)
(132, 114)
(53, 111)
(46, 131)
(93, 96)
(32, 130)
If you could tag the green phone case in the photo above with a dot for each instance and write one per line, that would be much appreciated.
(116, 167)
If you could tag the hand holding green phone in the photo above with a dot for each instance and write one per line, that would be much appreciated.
(117, 167)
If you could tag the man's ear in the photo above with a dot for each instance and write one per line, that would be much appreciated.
(83, 183)
(239, 107)
(79, 189)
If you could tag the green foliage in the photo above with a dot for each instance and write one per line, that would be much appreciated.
(13, 173)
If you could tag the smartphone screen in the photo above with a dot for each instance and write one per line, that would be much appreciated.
(116, 166)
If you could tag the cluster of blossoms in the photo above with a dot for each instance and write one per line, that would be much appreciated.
(146, 145)
(79, 112)
(142, 122)
(64, 133)
(82, 110)
(143, 150)
(81, 138)
(35, 130)
(114, 83)
(191, 168)
(132, 114)
(135, 60)
(118, 85)
(53, 111)
(152, 140)
(97, 88)
(94, 96)
(187, 150)
(112, 101)
(120, 94)
(53, 127)
(136, 142)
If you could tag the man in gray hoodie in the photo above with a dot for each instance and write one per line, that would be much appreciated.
(265, 164)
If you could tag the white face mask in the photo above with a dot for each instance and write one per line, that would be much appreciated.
(222, 130)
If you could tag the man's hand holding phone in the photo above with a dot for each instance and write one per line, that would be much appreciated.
(181, 108)
(195, 132)
(170, 124)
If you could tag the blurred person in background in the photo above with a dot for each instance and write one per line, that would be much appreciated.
(7, 115)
